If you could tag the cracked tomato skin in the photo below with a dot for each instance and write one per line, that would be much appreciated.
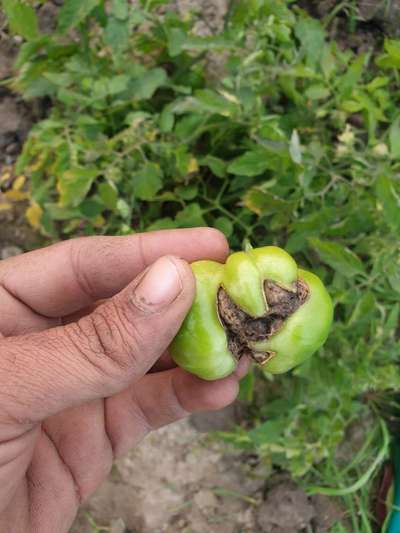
(201, 345)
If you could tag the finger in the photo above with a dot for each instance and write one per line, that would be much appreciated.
(43, 373)
(79, 434)
(53, 497)
(159, 399)
(16, 318)
(165, 362)
(66, 277)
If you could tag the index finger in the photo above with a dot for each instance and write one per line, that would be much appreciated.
(71, 275)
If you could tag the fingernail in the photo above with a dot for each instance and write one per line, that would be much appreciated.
(160, 286)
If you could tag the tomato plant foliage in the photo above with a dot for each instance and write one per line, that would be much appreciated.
(268, 130)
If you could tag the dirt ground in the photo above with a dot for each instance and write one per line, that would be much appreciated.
(172, 482)
(181, 480)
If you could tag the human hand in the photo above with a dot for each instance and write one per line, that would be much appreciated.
(82, 382)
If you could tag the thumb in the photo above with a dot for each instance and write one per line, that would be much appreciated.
(98, 356)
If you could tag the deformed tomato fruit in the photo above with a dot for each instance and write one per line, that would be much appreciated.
(259, 304)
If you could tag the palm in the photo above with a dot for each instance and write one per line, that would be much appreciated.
(49, 465)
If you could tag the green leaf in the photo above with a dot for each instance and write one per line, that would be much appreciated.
(109, 194)
(328, 62)
(212, 102)
(393, 275)
(61, 79)
(74, 184)
(317, 92)
(58, 212)
(265, 203)
(190, 217)
(148, 181)
(338, 257)
(392, 47)
(269, 432)
(394, 139)
(311, 34)
(389, 202)
(349, 80)
(182, 160)
(251, 163)
(144, 87)
(162, 223)
(377, 83)
(390, 59)
(118, 84)
(120, 9)
(242, 10)
(90, 208)
(73, 13)
(225, 225)
(166, 120)
(392, 319)
(363, 311)
(217, 165)
(22, 18)
(187, 192)
(116, 34)
(176, 40)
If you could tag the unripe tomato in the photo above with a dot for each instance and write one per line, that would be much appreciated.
(259, 304)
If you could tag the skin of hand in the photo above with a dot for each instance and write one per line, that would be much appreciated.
(84, 369)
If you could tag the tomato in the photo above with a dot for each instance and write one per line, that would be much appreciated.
(258, 304)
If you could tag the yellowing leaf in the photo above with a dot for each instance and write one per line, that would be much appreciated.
(16, 196)
(18, 183)
(5, 206)
(34, 214)
(264, 203)
(5, 177)
(38, 163)
(99, 221)
(193, 166)
(74, 184)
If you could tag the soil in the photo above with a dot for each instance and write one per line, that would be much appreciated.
(14, 115)
(180, 480)
(376, 19)
(172, 482)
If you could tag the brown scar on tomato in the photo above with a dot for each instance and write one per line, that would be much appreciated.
(243, 329)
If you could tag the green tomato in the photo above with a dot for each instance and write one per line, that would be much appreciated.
(258, 304)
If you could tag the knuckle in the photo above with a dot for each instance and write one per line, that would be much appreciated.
(134, 323)
(178, 403)
(16, 405)
(77, 258)
(84, 271)
(106, 339)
